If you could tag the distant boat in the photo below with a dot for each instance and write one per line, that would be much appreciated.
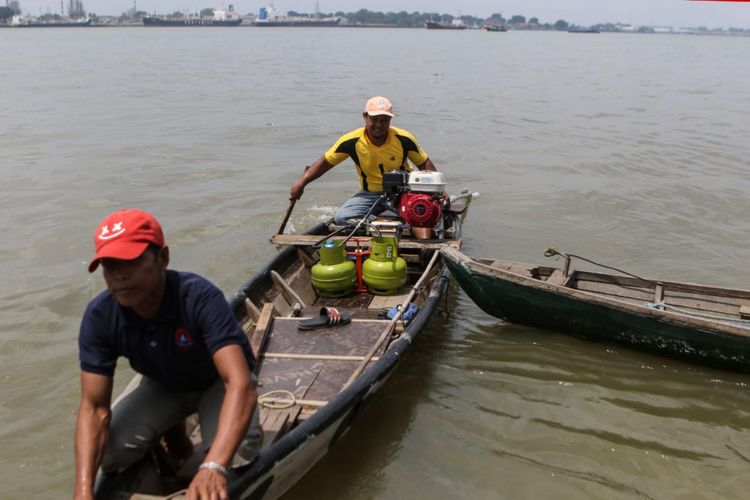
(583, 30)
(304, 22)
(190, 21)
(457, 24)
(494, 27)
(220, 18)
(19, 22)
(269, 17)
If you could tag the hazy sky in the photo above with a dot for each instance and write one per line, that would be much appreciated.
(674, 13)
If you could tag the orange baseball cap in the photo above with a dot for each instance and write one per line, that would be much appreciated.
(125, 234)
(379, 105)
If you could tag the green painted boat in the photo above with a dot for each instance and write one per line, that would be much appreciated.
(696, 323)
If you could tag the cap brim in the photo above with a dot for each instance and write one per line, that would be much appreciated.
(118, 250)
(380, 113)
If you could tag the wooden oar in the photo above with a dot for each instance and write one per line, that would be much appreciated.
(289, 210)
(286, 217)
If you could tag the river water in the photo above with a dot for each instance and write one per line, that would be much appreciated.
(629, 149)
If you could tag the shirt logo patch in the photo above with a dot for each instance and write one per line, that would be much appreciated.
(183, 339)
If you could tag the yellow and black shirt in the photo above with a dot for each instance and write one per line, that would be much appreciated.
(371, 160)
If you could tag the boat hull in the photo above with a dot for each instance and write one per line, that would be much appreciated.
(297, 23)
(431, 25)
(82, 24)
(277, 469)
(157, 21)
(517, 300)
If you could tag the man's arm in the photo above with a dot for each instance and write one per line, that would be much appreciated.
(317, 169)
(427, 165)
(234, 419)
(92, 429)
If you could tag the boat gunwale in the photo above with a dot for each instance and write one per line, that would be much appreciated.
(718, 326)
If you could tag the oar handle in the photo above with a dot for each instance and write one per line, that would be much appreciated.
(289, 210)
(286, 216)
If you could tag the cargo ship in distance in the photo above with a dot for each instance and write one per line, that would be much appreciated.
(269, 17)
(220, 18)
(457, 24)
(28, 22)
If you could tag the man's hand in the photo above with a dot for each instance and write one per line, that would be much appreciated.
(295, 193)
(311, 172)
(92, 431)
(208, 485)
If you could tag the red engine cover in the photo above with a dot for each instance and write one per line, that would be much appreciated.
(420, 209)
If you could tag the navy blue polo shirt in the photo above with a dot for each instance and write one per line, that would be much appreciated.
(176, 347)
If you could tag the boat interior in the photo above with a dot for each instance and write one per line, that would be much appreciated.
(298, 370)
(685, 298)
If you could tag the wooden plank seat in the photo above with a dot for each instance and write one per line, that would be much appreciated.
(307, 240)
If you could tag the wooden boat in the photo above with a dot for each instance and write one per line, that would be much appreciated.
(456, 24)
(312, 384)
(583, 30)
(696, 323)
(495, 27)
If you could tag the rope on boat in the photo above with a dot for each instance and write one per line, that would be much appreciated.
(267, 400)
(552, 251)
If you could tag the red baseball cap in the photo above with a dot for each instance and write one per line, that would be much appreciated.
(124, 235)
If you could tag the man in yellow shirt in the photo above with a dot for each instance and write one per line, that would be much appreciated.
(375, 149)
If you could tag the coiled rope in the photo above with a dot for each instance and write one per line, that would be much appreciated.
(269, 401)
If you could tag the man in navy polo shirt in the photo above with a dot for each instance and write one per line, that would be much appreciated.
(178, 332)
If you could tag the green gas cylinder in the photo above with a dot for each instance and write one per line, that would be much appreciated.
(334, 275)
(384, 272)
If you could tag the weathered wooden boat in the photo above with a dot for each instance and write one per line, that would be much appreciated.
(696, 323)
(456, 24)
(583, 30)
(495, 27)
(312, 383)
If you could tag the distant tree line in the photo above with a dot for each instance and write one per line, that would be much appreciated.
(417, 19)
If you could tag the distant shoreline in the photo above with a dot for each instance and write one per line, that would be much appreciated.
(695, 32)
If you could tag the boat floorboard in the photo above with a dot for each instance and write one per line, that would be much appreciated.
(315, 364)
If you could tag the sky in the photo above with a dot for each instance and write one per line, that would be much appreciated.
(675, 13)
